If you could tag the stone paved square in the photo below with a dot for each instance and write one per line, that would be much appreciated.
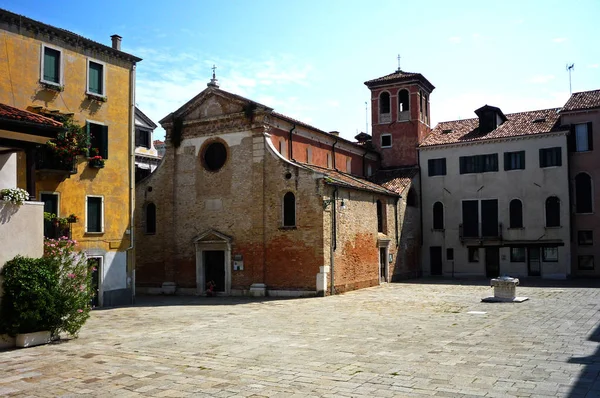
(423, 338)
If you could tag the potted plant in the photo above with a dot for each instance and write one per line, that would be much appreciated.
(69, 144)
(15, 196)
(72, 218)
(95, 160)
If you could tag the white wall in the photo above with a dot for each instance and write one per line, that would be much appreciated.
(8, 170)
(21, 230)
(532, 186)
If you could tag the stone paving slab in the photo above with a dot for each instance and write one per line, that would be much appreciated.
(424, 338)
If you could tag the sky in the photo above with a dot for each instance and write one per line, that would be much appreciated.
(308, 59)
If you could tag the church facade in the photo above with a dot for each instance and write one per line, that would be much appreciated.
(250, 201)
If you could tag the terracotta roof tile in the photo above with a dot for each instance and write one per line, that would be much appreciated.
(9, 113)
(399, 76)
(517, 124)
(335, 177)
(583, 100)
(395, 180)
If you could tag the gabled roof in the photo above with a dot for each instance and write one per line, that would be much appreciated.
(396, 179)
(142, 116)
(341, 179)
(516, 125)
(479, 112)
(36, 26)
(400, 76)
(583, 100)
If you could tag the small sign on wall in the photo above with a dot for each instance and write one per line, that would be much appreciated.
(238, 262)
(391, 258)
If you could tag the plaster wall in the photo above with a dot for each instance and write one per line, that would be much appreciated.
(8, 170)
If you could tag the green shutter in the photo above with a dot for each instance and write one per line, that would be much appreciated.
(94, 214)
(542, 163)
(51, 65)
(444, 166)
(103, 141)
(558, 156)
(95, 78)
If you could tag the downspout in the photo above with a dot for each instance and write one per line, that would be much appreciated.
(420, 210)
(291, 143)
(333, 244)
(131, 248)
(333, 156)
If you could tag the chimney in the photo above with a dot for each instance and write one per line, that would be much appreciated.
(116, 42)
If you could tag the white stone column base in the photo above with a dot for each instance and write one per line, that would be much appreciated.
(258, 290)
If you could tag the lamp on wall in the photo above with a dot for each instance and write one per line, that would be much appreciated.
(343, 205)
(327, 202)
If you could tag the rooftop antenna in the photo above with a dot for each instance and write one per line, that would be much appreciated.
(570, 68)
(399, 63)
(366, 119)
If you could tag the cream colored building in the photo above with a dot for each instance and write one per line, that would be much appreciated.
(495, 196)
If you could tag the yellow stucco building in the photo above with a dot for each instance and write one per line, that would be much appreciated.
(53, 72)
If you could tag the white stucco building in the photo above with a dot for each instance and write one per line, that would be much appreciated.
(495, 196)
(147, 157)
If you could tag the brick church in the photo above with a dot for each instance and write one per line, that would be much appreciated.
(248, 201)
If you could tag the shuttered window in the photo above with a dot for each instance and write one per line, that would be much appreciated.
(437, 167)
(514, 160)
(550, 157)
(94, 214)
(95, 78)
(51, 70)
(98, 139)
(478, 163)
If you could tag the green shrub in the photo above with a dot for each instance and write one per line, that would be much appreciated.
(51, 293)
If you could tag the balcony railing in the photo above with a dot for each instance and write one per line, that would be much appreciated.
(47, 161)
(480, 232)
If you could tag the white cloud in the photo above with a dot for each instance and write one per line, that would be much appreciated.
(559, 40)
(454, 39)
(542, 79)
(593, 65)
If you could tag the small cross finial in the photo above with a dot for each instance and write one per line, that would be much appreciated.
(213, 81)
(399, 63)
(214, 68)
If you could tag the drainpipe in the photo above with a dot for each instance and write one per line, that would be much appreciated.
(333, 244)
(291, 143)
(420, 203)
(333, 160)
(131, 248)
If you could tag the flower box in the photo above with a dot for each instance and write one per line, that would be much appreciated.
(52, 86)
(96, 97)
(32, 339)
(97, 163)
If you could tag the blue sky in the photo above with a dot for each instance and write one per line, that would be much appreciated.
(308, 59)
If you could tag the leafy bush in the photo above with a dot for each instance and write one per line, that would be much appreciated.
(51, 293)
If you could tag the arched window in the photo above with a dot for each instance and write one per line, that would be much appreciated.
(329, 162)
(282, 148)
(308, 155)
(411, 198)
(379, 216)
(150, 218)
(384, 102)
(289, 210)
(552, 212)
(403, 101)
(348, 165)
(515, 209)
(583, 193)
(438, 215)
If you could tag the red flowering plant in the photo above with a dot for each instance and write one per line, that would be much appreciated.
(95, 159)
(74, 290)
(70, 143)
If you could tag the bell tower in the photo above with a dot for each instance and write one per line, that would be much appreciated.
(400, 118)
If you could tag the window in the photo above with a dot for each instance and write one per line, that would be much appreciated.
(384, 102)
(437, 167)
(411, 198)
(214, 156)
(150, 218)
(585, 263)
(348, 165)
(514, 160)
(426, 111)
(329, 162)
(282, 148)
(98, 134)
(476, 223)
(142, 138)
(308, 155)
(583, 193)
(515, 209)
(552, 212)
(438, 215)
(289, 210)
(478, 163)
(421, 104)
(50, 206)
(585, 238)
(95, 78)
(379, 216)
(473, 254)
(94, 214)
(51, 66)
(550, 254)
(550, 157)
(581, 138)
(386, 141)
(369, 170)
(403, 105)
(450, 254)
(517, 254)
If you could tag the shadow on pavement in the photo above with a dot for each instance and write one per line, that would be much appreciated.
(588, 382)
(523, 282)
(164, 301)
